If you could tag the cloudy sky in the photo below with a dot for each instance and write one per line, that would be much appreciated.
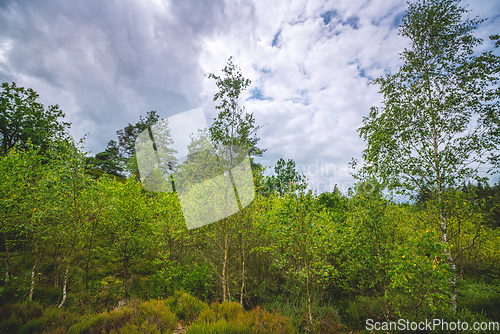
(310, 62)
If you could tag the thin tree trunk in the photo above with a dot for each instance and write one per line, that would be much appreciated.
(65, 284)
(7, 258)
(225, 289)
(33, 272)
(57, 265)
(451, 262)
(125, 274)
(444, 239)
(442, 216)
(244, 229)
(87, 276)
(32, 285)
(308, 295)
(242, 274)
(88, 262)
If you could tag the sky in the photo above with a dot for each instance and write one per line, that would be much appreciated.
(310, 64)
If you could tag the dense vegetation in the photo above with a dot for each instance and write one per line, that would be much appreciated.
(86, 249)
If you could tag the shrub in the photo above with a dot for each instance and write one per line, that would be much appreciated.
(14, 316)
(329, 323)
(47, 295)
(219, 327)
(479, 297)
(262, 321)
(185, 306)
(325, 318)
(227, 311)
(362, 308)
(230, 317)
(53, 320)
(151, 316)
(105, 302)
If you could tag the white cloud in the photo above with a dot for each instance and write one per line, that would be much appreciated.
(107, 64)
(313, 76)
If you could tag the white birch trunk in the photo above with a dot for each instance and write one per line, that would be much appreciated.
(65, 284)
(32, 286)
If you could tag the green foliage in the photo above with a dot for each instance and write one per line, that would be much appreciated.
(385, 257)
(326, 318)
(13, 316)
(185, 306)
(286, 180)
(108, 161)
(42, 208)
(23, 120)
(192, 277)
(221, 327)
(90, 250)
(53, 320)
(364, 307)
(119, 157)
(127, 220)
(152, 316)
(127, 135)
(336, 203)
(489, 254)
(300, 244)
(329, 323)
(426, 136)
(232, 126)
(481, 298)
(439, 121)
(231, 318)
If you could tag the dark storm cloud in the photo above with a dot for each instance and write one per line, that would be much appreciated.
(106, 63)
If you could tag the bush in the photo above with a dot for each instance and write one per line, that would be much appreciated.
(362, 308)
(47, 295)
(226, 311)
(151, 316)
(325, 318)
(219, 327)
(231, 318)
(105, 302)
(53, 320)
(329, 323)
(262, 321)
(479, 297)
(489, 305)
(185, 306)
(14, 316)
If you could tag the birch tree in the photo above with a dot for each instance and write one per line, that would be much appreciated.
(235, 131)
(440, 110)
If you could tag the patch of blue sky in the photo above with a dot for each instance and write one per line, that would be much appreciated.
(398, 19)
(303, 99)
(329, 15)
(276, 38)
(298, 100)
(362, 73)
(351, 21)
(299, 20)
(257, 95)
